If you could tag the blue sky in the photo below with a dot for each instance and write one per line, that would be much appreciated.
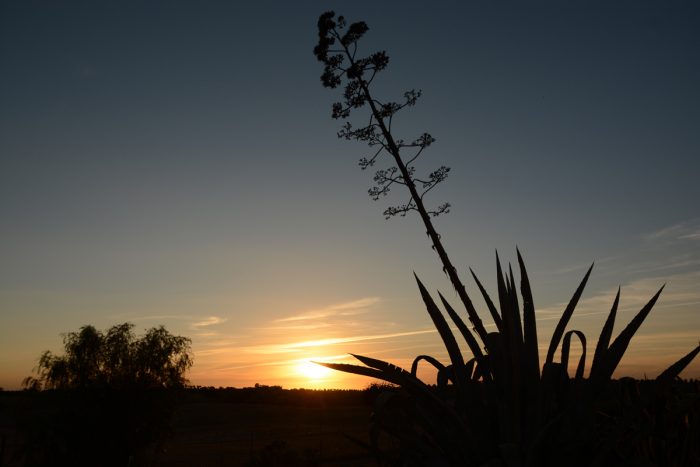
(175, 163)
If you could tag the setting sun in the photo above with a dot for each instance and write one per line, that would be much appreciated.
(312, 371)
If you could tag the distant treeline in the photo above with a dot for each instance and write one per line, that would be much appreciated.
(262, 394)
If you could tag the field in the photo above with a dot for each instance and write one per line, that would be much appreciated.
(299, 428)
(262, 426)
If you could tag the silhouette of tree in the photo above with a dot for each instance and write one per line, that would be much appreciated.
(337, 49)
(116, 358)
(110, 395)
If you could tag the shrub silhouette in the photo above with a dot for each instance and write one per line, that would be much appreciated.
(108, 400)
(499, 408)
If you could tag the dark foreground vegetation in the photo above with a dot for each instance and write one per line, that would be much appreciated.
(259, 426)
(271, 426)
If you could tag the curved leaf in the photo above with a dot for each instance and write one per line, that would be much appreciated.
(427, 358)
(565, 347)
(565, 317)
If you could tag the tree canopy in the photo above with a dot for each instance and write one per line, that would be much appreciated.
(115, 358)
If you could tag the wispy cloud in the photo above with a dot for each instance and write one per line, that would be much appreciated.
(306, 344)
(665, 232)
(208, 321)
(583, 266)
(350, 308)
(297, 327)
(686, 230)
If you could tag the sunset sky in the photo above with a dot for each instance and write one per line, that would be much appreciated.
(175, 163)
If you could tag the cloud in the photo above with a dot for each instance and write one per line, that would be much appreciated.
(686, 230)
(350, 308)
(209, 321)
(132, 317)
(681, 290)
(666, 232)
(301, 345)
(298, 327)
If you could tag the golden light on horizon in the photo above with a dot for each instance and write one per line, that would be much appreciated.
(313, 372)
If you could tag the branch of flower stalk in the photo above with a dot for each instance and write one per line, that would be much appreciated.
(425, 217)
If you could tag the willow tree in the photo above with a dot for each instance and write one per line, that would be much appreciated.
(116, 358)
(110, 396)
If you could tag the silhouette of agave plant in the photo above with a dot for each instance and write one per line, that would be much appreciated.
(498, 406)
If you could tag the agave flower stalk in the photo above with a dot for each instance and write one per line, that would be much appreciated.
(338, 53)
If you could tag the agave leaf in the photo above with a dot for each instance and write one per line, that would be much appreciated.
(445, 375)
(531, 349)
(513, 341)
(494, 342)
(403, 377)
(565, 347)
(445, 333)
(388, 372)
(565, 317)
(511, 325)
(361, 370)
(530, 356)
(492, 308)
(471, 341)
(619, 345)
(470, 366)
(502, 292)
(674, 370)
(419, 390)
(601, 347)
(429, 359)
(515, 307)
(376, 363)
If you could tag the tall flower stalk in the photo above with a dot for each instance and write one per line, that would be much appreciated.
(338, 52)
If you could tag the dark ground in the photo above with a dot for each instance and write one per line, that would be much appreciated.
(287, 428)
(263, 426)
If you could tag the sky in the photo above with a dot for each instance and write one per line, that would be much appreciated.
(176, 163)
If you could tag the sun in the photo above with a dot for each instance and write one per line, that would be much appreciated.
(312, 370)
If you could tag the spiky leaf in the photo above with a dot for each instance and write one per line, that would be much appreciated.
(468, 336)
(531, 348)
(445, 332)
(565, 317)
(361, 370)
(674, 370)
(489, 303)
(601, 347)
(619, 346)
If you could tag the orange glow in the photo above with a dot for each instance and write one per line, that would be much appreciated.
(312, 371)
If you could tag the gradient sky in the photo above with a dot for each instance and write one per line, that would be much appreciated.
(175, 163)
